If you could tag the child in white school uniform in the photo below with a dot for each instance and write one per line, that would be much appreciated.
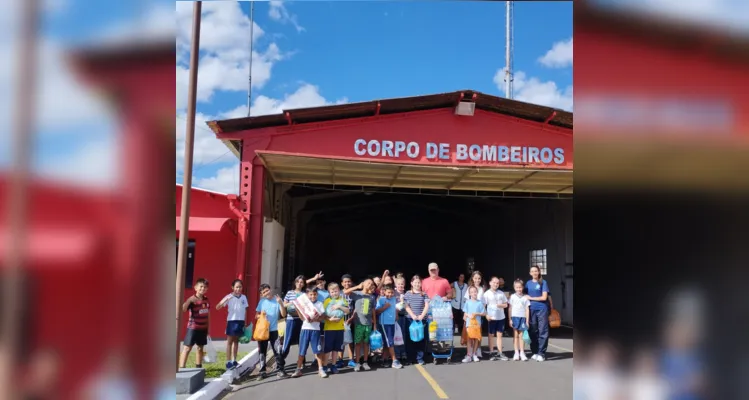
(236, 305)
(519, 316)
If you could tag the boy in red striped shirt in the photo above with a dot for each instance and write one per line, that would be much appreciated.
(197, 326)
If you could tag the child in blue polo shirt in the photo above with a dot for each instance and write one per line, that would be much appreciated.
(386, 312)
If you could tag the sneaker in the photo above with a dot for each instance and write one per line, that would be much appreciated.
(333, 369)
(421, 362)
(352, 364)
(467, 359)
(297, 373)
(282, 375)
(534, 357)
(523, 357)
(540, 358)
(236, 364)
(199, 366)
(503, 357)
(397, 364)
(516, 357)
(494, 357)
(229, 365)
(322, 373)
(261, 376)
(475, 358)
(366, 366)
(357, 368)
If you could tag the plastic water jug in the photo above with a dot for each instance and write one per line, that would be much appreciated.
(433, 330)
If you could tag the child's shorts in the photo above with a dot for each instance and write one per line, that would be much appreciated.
(388, 335)
(309, 338)
(234, 328)
(333, 341)
(361, 333)
(496, 325)
(518, 323)
(194, 337)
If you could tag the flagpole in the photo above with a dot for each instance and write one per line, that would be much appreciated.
(187, 183)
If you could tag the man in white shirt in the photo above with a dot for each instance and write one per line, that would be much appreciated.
(495, 302)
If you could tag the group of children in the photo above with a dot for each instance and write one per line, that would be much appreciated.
(378, 303)
(491, 305)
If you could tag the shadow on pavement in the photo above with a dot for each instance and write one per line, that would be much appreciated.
(561, 333)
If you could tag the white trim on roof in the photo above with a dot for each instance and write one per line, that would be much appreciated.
(205, 190)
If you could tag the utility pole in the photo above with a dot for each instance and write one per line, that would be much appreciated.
(252, 37)
(508, 50)
(187, 183)
(14, 285)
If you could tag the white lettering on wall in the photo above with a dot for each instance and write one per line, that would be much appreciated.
(359, 147)
(480, 153)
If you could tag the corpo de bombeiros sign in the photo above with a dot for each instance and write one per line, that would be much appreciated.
(462, 152)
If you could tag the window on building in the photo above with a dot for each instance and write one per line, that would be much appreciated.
(190, 262)
(538, 257)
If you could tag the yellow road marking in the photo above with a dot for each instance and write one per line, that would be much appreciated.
(437, 389)
(560, 348)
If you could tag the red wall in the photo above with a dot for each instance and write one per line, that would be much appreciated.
(337, 138)
(204, 204)
(215, 253)
(69, 309)
(215, 260)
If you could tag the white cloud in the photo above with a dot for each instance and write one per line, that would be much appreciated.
(226, 180)
(206, 148)
(307, 95)
(278, 12)
(535, 91)
(559, 56)
(223, 26)
(209, 150)
(225, 49)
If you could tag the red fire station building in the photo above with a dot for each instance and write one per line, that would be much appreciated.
(465, 179)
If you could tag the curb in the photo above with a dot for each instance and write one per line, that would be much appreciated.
(217, 386)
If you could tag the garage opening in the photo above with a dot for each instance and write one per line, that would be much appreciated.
(363, 233)
(361, 218)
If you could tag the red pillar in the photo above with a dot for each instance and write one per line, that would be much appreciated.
(250, 245)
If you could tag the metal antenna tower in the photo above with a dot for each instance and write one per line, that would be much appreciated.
(508, 50)
(252, 30)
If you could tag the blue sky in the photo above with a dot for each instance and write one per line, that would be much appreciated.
(305, 54)
(316, 53)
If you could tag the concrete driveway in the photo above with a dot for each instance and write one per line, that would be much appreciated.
(551, 379)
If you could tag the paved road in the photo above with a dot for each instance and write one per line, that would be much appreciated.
(516, 380)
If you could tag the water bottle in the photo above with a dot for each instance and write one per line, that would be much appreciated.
(433, 331)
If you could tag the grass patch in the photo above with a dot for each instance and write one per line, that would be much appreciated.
(214, 370)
